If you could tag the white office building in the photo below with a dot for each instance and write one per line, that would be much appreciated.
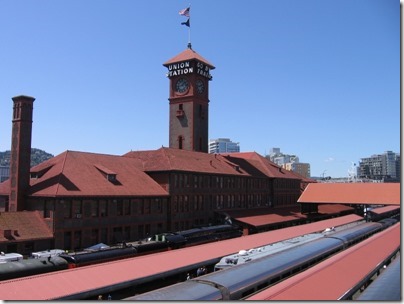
(223, 145)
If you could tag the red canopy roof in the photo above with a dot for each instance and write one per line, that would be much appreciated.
(352, 193)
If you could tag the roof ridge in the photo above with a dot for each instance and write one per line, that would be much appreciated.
(165, 152)
(42, 220)
(61, 173)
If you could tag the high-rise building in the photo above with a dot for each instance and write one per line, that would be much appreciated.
(384, 166)
(300, 168)
(223, 145)
(289, 162)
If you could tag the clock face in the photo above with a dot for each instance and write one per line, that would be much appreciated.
(200, 86)
(182, 85)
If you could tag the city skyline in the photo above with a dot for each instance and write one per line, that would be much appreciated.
(317, 79)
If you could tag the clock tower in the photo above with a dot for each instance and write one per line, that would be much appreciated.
(189, 75)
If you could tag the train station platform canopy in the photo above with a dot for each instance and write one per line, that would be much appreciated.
(384, 194)
(352, 193)
(275, 218)
(386, 209)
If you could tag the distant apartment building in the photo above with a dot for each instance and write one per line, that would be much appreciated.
(4, 173)
(384, 166)
(302, 169)
(223, 145)
(289, 162)
(280, 158)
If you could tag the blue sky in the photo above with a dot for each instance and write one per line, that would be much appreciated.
(316, 78)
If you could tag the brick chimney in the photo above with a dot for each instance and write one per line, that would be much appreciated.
(20, 161)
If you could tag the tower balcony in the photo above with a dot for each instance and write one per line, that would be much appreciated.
(180, 113)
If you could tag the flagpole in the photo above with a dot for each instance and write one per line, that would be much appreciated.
(185, 12)
(189, 35)
(189, 29)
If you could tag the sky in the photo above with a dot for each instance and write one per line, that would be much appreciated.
(319, 79)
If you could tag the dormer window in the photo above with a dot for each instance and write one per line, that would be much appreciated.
(38, 173)
(107, 173)
(111, 177)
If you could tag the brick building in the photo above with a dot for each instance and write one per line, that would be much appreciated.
(84, 198)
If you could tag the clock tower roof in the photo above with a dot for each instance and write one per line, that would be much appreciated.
(188, 54)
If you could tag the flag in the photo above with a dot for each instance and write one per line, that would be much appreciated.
(186, 23)
(185, 12)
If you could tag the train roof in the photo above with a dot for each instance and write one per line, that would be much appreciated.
(47, 253)
(8, 257)
(244, 256)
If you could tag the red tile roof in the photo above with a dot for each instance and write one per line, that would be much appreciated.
(258, 163)
(268, 216)
(169, 159)
(84, 174)
(188, 54)
(24, 225)
(352, 193)
(382, 210)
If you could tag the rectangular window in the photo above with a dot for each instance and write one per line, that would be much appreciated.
(77, 240)
(28, 248)
(104, 235)
(94, 208)
(140, 231)
(67, 240)
(117, 234)
(180, 203)
(146, 206)
(94, 236)
(103, 205)
(126, 233)
(175, 203)
(119, 207)
(77, 208)
(126, 207)
(135, 206)
(158, 205)
(181, 180)
(67, 209)
(47, 209)
(147, 229)
(186, 205)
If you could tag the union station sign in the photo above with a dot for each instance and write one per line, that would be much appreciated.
(186, 67)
